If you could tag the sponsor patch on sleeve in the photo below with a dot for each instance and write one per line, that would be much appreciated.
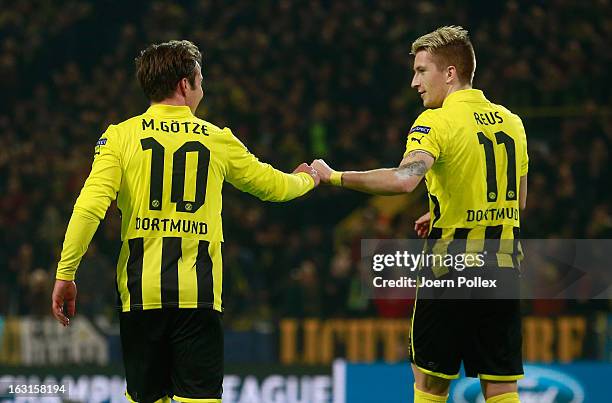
(99, 143)
(420, 129)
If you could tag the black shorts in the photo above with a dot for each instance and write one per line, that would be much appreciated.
(173, 352)
(483, 333)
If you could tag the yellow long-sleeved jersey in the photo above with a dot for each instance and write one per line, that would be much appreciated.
(480, 152)
(166, 168)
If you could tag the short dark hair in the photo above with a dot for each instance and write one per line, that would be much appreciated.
(450, 46)
(161, 66)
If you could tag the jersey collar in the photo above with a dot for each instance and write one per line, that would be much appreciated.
(169, 111)
(469, 95)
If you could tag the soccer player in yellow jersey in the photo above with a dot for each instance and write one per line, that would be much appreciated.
(473, 156)
(166, 168)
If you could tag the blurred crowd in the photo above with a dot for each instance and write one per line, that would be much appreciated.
(294, 81)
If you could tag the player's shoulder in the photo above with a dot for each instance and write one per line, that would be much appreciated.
(127, 124)
(211, 129)
(428, 119)
(122, 131)
(222, 138)
(430, 114)
(219, 133)
(216, 133)
(511, 116)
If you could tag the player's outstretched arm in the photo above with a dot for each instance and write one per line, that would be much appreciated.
(262, 180)
(269, 184)
(384, 181)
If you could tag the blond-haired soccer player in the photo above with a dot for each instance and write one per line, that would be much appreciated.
(166, 168)
(473, 154)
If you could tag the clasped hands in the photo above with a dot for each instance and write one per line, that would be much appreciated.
(323, 173)
(318, 169)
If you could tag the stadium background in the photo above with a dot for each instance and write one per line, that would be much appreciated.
(295, 81)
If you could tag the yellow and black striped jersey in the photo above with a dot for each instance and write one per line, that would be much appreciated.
(480, 152)
(166, 168)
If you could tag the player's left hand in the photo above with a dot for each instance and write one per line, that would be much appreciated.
(322, 169)
(63, 292)
(421, 225)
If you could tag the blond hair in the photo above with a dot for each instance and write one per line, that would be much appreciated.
(450, 46)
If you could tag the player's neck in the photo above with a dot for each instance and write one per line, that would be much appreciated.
(458, 87)
(174, 100)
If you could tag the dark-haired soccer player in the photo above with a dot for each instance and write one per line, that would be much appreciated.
(473, 154)
(166, 168)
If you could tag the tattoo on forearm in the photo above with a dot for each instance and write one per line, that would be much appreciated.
(417, 152)
(413, 168)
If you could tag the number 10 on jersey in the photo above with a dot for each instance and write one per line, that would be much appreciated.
(179, 162)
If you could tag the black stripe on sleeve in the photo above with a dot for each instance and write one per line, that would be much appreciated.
(171, 253)
(205, 276)
(134, 273)
(434, 233)
(436, 209)
(118, 294)
(222, 283)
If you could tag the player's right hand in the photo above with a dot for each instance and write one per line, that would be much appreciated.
(304, 167)
(421, 226)
(322, 169)
(63, 292)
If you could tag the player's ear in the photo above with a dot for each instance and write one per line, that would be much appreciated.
(451, 74)
(182, 86)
